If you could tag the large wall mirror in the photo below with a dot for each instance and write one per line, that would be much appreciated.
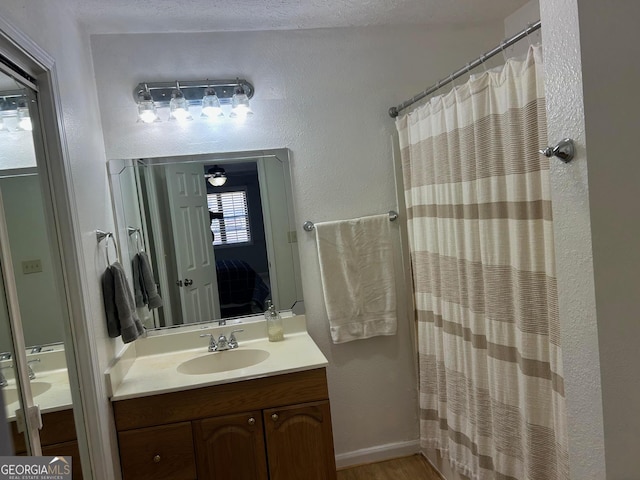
(216, 230)
(26, 220)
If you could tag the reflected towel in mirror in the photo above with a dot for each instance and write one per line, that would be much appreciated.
(144, 283)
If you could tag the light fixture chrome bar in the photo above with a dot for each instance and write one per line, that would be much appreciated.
(395, 111)
(193, 90)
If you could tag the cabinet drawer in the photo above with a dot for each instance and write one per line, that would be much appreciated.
(158, 453)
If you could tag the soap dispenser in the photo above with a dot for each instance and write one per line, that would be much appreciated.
(275, 330)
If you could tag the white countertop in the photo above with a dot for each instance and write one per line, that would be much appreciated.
(57, 396)
(150, 366)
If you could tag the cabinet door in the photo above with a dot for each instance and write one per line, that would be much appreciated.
(155, 453)
(300, 442)
(66, 449)
(231, 447)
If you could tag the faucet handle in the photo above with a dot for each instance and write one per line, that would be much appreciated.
(233, 342)
(212, 341)
(5, 356)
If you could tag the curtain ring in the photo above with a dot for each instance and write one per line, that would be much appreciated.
(503, 45)
(483, 62)
(528, 32)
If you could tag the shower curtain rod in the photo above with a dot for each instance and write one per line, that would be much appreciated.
(395, 111)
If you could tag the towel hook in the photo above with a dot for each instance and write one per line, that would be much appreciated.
(565, 150)
(100, 235)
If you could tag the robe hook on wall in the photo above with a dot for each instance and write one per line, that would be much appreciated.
(565, 150)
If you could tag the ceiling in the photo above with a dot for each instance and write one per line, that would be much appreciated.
(145, 16)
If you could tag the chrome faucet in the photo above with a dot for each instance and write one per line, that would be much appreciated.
(5, 356)
(222, 344)
(3, 380)
(32, 374)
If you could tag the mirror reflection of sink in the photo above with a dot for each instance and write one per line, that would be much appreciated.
(11, 393)
(223, 361)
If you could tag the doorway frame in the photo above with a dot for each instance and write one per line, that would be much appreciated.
(56, 172)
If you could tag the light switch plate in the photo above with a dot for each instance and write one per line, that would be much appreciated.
(31, 266)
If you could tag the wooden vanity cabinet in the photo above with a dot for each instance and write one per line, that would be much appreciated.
(57, 437)
(275, 428)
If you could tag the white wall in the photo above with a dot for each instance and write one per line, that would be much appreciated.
(51, 25)
(40, 308)
(610, 48)
(324, 94)
(572, 229)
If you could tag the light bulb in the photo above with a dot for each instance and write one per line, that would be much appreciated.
(178, 107)
(147, 112)
(24, 120)
(211, 104)
(240, 104)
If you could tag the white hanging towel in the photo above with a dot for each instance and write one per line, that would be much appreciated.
(358, 277)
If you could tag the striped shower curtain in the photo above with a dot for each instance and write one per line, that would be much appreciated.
(481, 241)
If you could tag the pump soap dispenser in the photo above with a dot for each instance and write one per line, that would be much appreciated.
(275, 330)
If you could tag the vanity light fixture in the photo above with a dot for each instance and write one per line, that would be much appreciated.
(216, 176)
(211, 96)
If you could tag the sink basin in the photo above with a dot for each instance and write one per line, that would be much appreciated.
(11, 393)
(217, 362)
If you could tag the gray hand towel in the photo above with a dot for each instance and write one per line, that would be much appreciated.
(122, 318)
(138, 289)
(108, 296)
(147, 281)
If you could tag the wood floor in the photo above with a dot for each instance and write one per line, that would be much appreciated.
(414, 467)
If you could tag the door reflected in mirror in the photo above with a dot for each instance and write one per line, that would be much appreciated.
(217, 249)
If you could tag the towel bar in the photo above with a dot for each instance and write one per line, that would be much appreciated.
(308, 226)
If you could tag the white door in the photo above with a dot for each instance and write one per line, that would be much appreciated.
(195, 259)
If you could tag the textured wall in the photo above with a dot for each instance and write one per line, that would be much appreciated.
(572, 226)
(324, 94)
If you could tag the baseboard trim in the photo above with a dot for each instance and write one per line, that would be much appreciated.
(378, 453)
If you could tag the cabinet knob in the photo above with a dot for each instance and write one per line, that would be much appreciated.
(274, 417)
(157, 458)
(252, 421)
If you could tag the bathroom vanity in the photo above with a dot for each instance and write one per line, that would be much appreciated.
(191, 414)
(51, 392)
